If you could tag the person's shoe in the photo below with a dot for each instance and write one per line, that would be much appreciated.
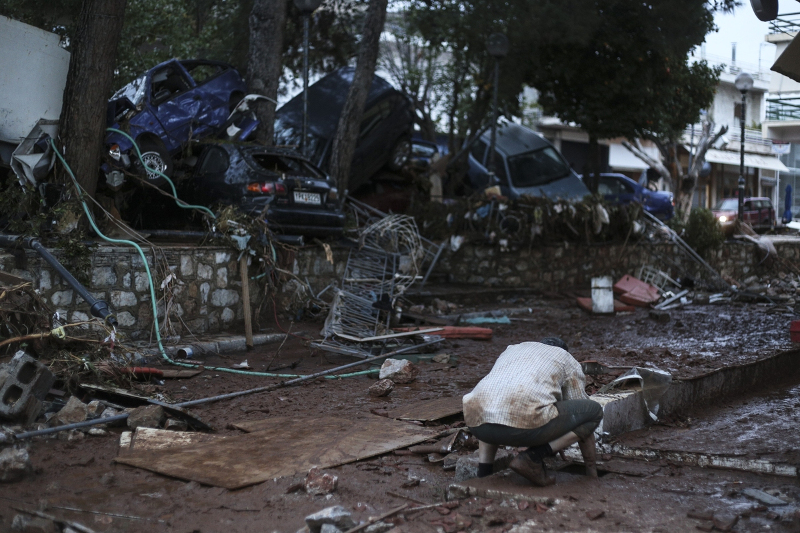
(531, 470)
(589, 452)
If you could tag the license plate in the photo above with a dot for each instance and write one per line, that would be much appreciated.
(307, 198)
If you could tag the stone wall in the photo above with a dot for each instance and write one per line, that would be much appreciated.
(569, 266)
(203, 291)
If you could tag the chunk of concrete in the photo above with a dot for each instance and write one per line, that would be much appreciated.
(399, 371)
(330, 528)
(149, 416)
(24, 382)
(467, 466)
(381, 388)
(75, 411)
(337, 516)
(318, 483)
(14, 464)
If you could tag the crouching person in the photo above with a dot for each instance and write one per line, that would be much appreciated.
(535, 397)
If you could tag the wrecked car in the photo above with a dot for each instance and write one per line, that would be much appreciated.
(423, 154)
(620, 189)
(166, 107)
(384, 137)
(526, 164)
(294, 195)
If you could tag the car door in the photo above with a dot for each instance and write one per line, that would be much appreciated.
(750, 213)
(175, 103)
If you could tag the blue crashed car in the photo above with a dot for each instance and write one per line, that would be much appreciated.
(166, 107)
(620, 189)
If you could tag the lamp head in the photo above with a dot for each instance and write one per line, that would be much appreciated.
(497, 45)
(744, 82)
(307, 6)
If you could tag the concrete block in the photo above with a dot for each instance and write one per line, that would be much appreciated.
(25, 384)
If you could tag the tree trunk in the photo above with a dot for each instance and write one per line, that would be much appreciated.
(344, 143)
(91, 73)
(267, 20)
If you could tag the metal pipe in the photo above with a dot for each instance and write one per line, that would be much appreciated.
(741, 155)
(268, 388)
(98, 308)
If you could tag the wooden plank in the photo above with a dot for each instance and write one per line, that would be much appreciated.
(280, 446)
(429, 410)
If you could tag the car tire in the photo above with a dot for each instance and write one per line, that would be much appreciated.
(154, 155)
(400, 154)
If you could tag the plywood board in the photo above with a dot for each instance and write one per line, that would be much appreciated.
(429, 410)
(280, 446)
(158, 439)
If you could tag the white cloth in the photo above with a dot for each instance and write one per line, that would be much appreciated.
(525, 382)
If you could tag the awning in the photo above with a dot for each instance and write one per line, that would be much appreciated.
(750, 160)
(621, 159)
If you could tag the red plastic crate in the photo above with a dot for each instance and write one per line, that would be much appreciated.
(794, 330)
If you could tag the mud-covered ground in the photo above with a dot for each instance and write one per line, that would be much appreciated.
(81, 474)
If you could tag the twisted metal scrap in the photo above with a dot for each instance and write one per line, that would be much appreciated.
(397, 234)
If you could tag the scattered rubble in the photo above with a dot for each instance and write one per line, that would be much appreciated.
(337, 516)
(14, 464)
(75, 411)
(318, 483)
(24, 383)
(381, 387)
(399, 371)
(149, 416)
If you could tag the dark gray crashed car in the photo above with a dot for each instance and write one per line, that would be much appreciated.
(294, 195)
(526, 165)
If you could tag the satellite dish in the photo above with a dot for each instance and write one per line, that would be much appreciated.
(765, 10)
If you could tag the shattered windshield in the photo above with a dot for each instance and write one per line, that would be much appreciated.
(537, 167)
(134, 91)
(729, 204)
(289, 135)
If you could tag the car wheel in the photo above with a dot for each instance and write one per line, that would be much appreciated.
(156, 158)
(400, 154)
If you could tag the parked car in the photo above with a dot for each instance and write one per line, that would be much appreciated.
(167, 106)
(758, 212)
(294, 195)
(384, 138)
(620, 189)
(526, 164)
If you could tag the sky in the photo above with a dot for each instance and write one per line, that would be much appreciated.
(743, 28)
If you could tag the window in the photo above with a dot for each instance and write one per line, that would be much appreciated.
(478, 150)
(499, 167)
(283, 165)
(168, 82)
(202, 72)
(537, 168)
(215, 161)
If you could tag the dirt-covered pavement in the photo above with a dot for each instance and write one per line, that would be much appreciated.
(82, 474)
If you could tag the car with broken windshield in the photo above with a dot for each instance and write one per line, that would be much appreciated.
(291, 193)
(384, 137)
(526, 164)
(166, 107)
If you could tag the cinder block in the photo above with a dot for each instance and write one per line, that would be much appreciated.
(25, 385)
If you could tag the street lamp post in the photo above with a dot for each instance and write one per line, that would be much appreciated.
(497, 46)
(743, 82)
(306, 7)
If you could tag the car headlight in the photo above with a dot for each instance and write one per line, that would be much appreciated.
(723, 218)
(114, 152)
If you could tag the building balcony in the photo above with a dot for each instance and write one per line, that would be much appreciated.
(787, 23)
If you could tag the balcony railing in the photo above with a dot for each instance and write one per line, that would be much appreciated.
(783, 108)
(788, 23)
(751, 136)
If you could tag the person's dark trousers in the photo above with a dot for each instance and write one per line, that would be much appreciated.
(579, 416)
